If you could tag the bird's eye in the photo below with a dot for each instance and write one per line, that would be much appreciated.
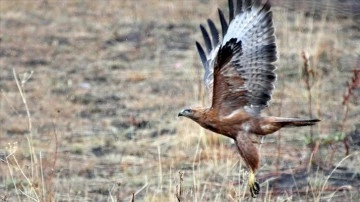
(188, 111)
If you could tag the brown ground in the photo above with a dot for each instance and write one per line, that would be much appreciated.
(103, 82)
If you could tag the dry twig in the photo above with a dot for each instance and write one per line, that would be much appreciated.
(352, 85)
(309, 76)
(179, 190)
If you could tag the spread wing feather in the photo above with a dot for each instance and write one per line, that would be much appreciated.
(239, 65)
(224, 25)
(239, 5)
(231, 10)
(206, 39)
(214, 32)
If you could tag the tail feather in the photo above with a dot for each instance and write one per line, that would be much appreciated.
(295, 122)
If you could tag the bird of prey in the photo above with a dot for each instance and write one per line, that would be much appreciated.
(239, 76)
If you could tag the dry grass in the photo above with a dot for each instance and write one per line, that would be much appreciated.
(90, 91)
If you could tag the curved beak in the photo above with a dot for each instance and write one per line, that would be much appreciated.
(185, 113)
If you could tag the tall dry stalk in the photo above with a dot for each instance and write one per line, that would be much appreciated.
(308, 76)
(40, 177)
(20, 86)
(352, 85)
(179, 190)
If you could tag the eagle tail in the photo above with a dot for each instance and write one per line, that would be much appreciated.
(295, 122)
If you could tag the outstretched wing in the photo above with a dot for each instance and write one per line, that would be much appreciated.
(212, 46)
(239, 69)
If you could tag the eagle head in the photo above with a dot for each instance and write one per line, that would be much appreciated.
(186, 113)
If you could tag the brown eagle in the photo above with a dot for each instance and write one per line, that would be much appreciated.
(239, 76)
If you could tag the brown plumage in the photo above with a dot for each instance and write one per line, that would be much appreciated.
(239, 76)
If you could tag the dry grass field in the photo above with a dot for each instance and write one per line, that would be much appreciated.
(90, 91)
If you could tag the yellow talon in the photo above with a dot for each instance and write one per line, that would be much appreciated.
(253, 185)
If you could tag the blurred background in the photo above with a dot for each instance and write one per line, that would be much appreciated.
(90, 92)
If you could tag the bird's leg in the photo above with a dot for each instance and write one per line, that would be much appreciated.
(250, 154)
(253, 185)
